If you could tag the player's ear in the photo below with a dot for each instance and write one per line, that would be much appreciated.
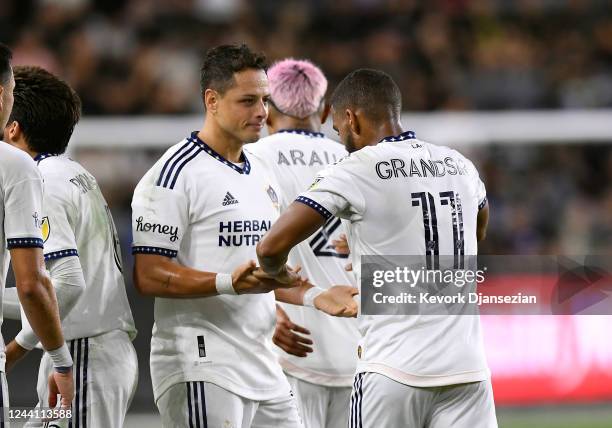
(353, 122)
(12, 132)
(326, 107)
(211, 100)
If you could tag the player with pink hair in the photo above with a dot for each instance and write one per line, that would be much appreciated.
(297, 88)
(320, 367)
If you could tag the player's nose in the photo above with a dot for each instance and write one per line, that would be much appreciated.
(262, 109)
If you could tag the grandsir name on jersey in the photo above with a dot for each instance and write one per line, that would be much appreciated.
(391, 211)
(209, 214)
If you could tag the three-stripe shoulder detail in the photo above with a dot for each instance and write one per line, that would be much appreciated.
(175, 163)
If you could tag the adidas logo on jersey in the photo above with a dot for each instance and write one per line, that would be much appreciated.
(229, 200)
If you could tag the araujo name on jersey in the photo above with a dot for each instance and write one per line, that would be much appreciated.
(395, 168)
(298, 157)
(236, 233)
(162, 229)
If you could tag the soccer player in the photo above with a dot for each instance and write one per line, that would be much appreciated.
(197, 215)
(82, 254)
(294, 152)
(413, 371)
(21, 193)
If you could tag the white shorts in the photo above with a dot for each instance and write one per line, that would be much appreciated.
(321, 406)
(105, 374)
(378, 401)
(206, 405)
(4, 400)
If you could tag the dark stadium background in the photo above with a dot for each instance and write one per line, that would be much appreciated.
(131, 59)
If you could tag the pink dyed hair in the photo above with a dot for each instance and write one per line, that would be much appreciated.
(297, 87)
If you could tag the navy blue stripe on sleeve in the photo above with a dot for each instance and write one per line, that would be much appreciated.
(24, 243)
(63, 253)
(482, 203)
(315, 205)
(185, 162)
(176, 154)
(177, 161)
(154, 250)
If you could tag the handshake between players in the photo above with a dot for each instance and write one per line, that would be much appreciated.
(290, 287)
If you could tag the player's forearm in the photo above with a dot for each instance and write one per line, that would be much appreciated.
(482, 221)
(14, 353)
(158, 276)
(272, 264)
(68, 281)
(273, 250)
(37, 298)
(68, 288)
(297, 223)
(294, 296)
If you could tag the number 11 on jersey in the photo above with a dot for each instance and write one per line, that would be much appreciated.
(430, 223)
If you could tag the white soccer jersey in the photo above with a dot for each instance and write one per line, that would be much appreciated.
(21, 194)
(386, 192)
(294, 157)
(77, 222)
(209, 214)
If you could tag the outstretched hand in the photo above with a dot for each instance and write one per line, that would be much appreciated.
(338, 301)
(286, 337)
(61, 384)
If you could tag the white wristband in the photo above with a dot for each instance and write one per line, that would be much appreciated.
(62, 361)
(310, 295)
(223, 284)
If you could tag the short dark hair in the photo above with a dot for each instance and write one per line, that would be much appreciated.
(221, 62)
(46, 108)
(373, 91)
(5, 63)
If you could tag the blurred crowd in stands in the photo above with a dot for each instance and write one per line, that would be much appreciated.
(548, 199)
(142, 56)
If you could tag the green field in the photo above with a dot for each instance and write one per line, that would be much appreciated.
(599, 416)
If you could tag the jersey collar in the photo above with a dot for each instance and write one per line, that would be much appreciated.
(408, 135)
(244, 170)
(43, 155)
(304, 132)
